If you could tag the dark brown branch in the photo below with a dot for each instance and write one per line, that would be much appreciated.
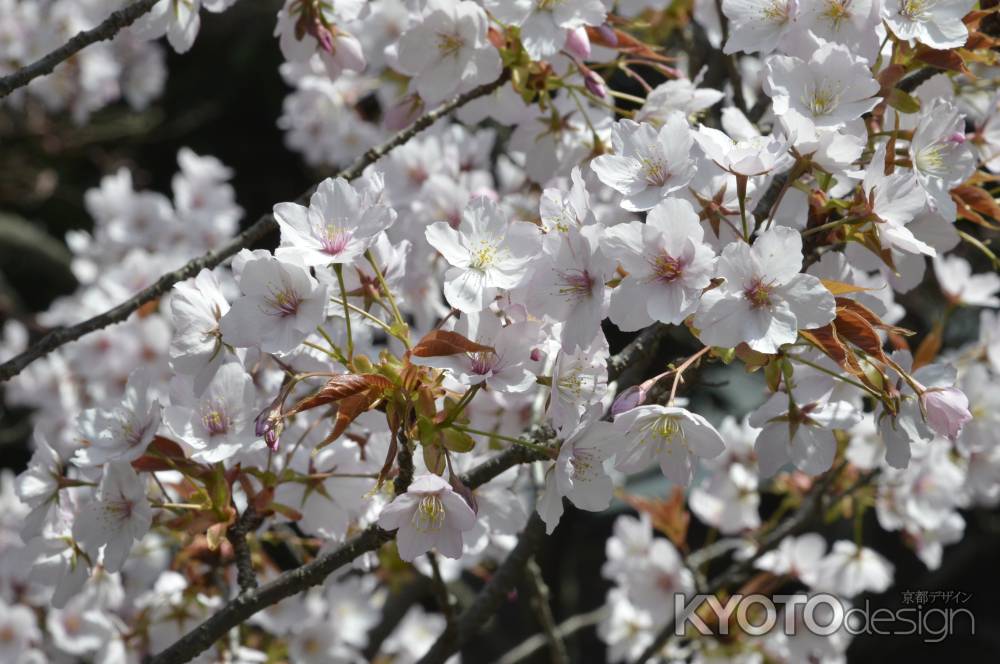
(264, 225)
(491, 596)
(797, 522)
(237, 536)
(312, 573)
(913, 81)
(111, 26)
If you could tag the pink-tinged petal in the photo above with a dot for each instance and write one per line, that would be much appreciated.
(458, 514)
(398, 513)
(772, 448)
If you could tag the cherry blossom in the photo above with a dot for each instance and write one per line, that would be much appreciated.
(764, 300)
(280, 306)
(486, 253)
(339, 225)
(430, 515)
(668, 266)
(667, 435)
(119, 515)
(647, 163)
(446, 50)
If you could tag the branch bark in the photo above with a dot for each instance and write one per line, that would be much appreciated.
(264, 225)
(237, 536)
(315, 572)
(108, 29)
(543, 611)
(810, 507)
(491, 596)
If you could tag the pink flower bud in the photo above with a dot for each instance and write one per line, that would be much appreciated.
(403, 113)
(322, 35)
(578, 43)
(627, 400)
(608, 35)
(957, 138)
(595, 84)
(536, 355)
(946, 410)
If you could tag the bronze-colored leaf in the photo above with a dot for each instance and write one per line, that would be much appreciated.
(973, 203)
(871, 316)
(854, 328)
(948, 60)
(439, 343)
(348, 410)
(669, 516)
(341, 387)
(825, 338)
(929, 347)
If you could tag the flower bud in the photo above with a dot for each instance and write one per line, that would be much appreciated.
(957, 137)
(578, 43)
(322, 34)
(627, 400)
(595, 83)
(608, 35)
(946, 410)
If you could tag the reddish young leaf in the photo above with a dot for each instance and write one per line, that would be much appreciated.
(348, 410)
(947, 60)
(438, 343)
(825, 338)
(341, 387)
(859, 332)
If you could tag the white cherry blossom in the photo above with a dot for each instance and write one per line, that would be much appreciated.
(430, 515)
(119, 515)
(764, 300)
(647, 163)
(668, 266)
(486, 253)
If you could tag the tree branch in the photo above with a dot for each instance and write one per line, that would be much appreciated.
(810, 507)
(111, 26)
(543, 611)
(314, 572)
(565, 629)
(237, 536)
(264, 225)
(491, 596)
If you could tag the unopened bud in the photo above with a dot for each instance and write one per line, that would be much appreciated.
(608, 35)
(595, 84)
(578, 43)
(322, 35)
(957, 138)
(627, 400)
(946, 410)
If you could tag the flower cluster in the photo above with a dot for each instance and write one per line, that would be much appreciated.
(470, 297)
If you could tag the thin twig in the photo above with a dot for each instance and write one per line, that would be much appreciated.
(444, 598)
(540, 603)
(264, 225)
(810, 507)
(565, 629)
(111, 26)
(201, 638)
(491, 596)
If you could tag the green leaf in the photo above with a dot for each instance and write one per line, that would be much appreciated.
(903, 102)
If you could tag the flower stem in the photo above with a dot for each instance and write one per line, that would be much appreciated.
(339, 269)
(400, 322)
(828, 372)
(509, 439)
